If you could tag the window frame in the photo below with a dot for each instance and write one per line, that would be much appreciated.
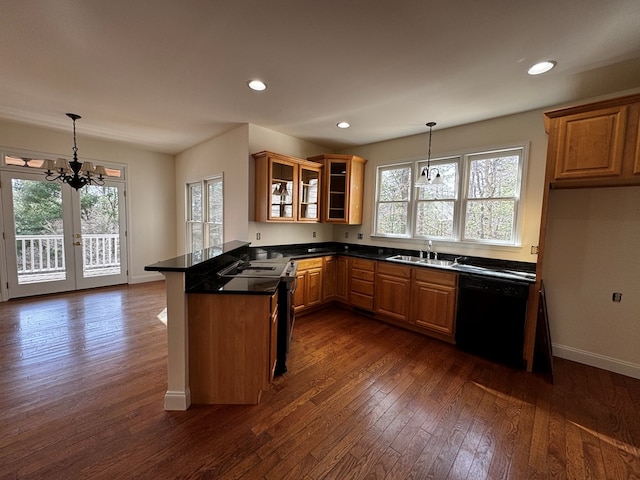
(203, 224)
(409, 227)
(516, 230)
(455, 227)
(464, 160)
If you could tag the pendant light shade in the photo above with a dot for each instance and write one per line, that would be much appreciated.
(428, 175)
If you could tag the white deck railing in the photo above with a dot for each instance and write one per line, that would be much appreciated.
(37, 254)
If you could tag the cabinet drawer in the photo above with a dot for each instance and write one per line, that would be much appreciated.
(363, 264)
(431, 275)
(362, 301)
(360, 286)
(394, 270)
(308, 263)
(362, 275)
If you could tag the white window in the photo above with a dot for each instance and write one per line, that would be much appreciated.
(205, 207)
(477, 201)
(492, 192)
(436, 205)
(392, 201)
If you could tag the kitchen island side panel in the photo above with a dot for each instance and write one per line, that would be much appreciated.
(228, 347)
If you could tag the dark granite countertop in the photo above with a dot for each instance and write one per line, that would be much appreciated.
(201, 267)
(496, 268)
(183, 263)
(236, 286)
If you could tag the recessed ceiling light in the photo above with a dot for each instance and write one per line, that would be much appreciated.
(343, 124)
(541, 67)
(257, 85)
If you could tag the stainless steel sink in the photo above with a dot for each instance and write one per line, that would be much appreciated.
(420, 261)
(406, 259)
(437, 262)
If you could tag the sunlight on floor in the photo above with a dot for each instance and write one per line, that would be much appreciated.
(162, 316)
(631, 449)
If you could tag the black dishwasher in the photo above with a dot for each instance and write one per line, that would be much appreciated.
(491, 317)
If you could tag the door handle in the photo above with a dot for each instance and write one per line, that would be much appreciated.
(77, 244)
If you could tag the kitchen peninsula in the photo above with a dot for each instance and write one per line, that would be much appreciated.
(221, 348)
(224, 330)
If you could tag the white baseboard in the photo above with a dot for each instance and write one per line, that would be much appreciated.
(177, 400)
(595, 360)
(149, 277)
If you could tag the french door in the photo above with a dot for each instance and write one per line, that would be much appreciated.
(59, 239)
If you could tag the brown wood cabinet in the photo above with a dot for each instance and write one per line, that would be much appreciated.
(343, 184)
(590, 145)
(329, 278)
(361, 282)
(342, 279)
(232, 347)
(433, 302)
(392, 291)
(288, 189)
(594, 145)
(308, 292)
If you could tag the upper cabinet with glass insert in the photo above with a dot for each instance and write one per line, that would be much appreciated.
(343, 188)
(287, 188)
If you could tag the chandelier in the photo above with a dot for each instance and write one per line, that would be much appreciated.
(76, 174)
(426, 178)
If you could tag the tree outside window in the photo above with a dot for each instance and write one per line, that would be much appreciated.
(205, 214)
(436, 204)
(492, 197)
(477, 202)
(394, 194)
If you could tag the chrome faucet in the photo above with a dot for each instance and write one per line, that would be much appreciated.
(429, 247)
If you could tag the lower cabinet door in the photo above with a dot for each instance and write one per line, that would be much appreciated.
(392, 297)
(314, 287)
(434, 307)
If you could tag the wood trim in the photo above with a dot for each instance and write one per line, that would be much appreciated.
(589, 107)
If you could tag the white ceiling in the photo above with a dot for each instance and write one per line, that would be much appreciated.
(168, 74)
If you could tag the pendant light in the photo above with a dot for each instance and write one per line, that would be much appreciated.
(426, 177)
(76, 174)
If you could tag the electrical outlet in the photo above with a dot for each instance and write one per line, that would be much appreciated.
(616, 297)
(258, 236)
(314, 234)
(359, 236)
(534, 249)
(346, 234)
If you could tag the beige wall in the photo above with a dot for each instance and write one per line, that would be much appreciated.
(226, 154)
(150, 193)
(591, 251)
(526, 128)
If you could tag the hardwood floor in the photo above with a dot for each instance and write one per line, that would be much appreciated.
(82, 381)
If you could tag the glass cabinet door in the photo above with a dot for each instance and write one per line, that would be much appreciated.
(337, 191)
(283, 176)
(309, 194)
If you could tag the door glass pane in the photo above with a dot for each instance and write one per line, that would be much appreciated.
(337, 190)
(100, 229)
(37, 208)
(309, 194)
(281, 190)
